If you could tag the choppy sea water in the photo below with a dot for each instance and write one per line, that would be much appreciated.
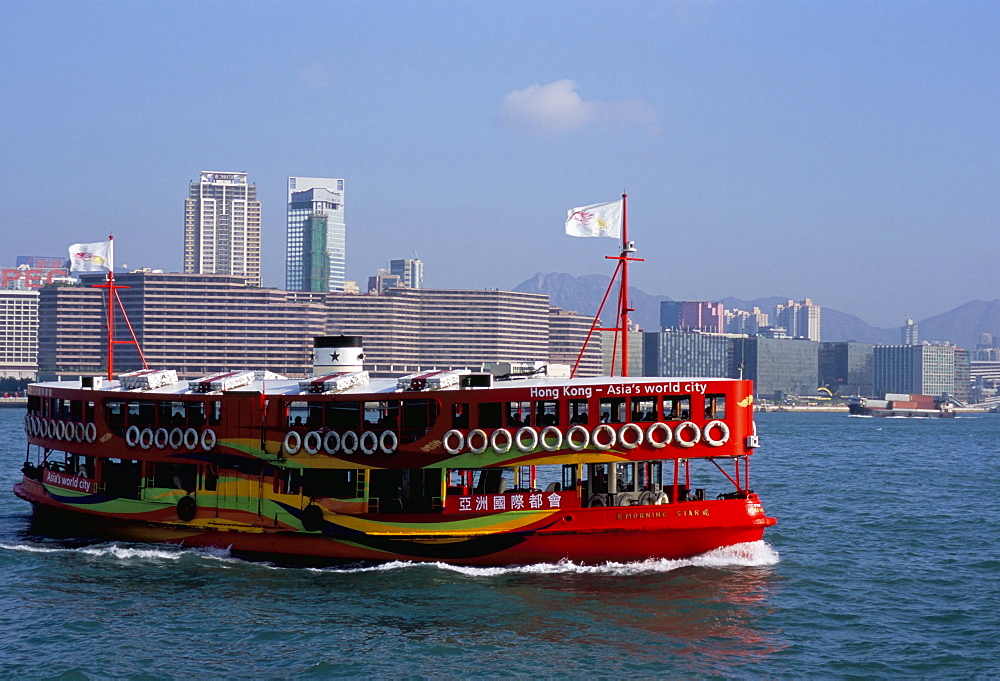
(884, 563)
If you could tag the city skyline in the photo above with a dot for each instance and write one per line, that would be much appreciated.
(841, 152)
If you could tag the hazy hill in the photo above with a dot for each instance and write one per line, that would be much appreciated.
(961, 326)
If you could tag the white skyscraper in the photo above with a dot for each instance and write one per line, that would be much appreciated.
(315, 252)
(222, 227)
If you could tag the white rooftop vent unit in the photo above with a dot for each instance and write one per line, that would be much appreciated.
(339, 382)
(505, 370)
(147, 379)
(265, 375)
(226, 380)
(432, 380)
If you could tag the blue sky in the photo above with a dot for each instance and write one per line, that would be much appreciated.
(844, 151)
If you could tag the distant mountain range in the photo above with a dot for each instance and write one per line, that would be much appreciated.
(961, 326)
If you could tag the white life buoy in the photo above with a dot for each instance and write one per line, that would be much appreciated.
(53, 429)
(668, 435)
(146, 438)
(612, 437)
(723, 433)
(176, 438)
(388, 441)
(543, 437)
(630, 428)
(292, 443)
(312, 442)
(90, 434)
(331, 442)
(349, 442)
(446, 442)
(161, 437)
(695, 434)
(478, 432)
(504, 447)
(207, 439)
(364, 442)
(80, 430)
(571, 440)
(532, 439)
(191, 438)
(132, 436)
(60, 430)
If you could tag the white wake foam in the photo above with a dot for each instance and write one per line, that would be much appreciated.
(748, 554)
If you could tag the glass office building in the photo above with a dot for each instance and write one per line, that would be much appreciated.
(316, 248)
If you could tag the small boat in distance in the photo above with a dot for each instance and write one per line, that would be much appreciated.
(903, 406)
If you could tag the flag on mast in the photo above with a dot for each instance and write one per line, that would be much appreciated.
(96, 257)
(600, 219)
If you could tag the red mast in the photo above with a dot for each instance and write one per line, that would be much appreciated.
(621, 331)
(112, 298)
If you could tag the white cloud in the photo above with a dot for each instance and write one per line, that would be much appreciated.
(556, 108)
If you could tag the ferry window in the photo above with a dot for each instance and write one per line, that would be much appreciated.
(337, 483)
(171, 414)
(195, 414)
(343, 416)
(57, 408)
(676, 408)
(175, 475)
(419, 416)
(140, 413)
(598, 477)
(460, 416)
(292, 480)
(518, 414)
(643, 408)
(625, 474)
(298, 413)
(578, 411)
(209, 478)
(490, 414)
(121, 478)
(613, 410)
(315, 419)
(715, 406)
(76, 410)
(569, 474)
(88, 412)
(546, 414)
(381, 415)
(114, 414)
(213, 410)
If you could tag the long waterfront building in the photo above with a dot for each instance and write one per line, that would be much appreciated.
(201, 324)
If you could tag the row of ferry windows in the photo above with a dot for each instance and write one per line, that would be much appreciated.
(585, 411)
(411, 417)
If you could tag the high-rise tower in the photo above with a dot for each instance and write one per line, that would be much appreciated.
(315, 252)
(222, 227)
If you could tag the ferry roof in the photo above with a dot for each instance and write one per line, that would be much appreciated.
(288, 386)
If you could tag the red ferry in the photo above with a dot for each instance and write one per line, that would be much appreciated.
(445, 466)
(517, 464)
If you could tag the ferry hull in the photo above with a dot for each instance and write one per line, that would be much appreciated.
(589, 536)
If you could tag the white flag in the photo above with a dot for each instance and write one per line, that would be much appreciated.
(91, 257)
(601, 219)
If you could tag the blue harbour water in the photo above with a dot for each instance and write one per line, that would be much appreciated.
(884, 563)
